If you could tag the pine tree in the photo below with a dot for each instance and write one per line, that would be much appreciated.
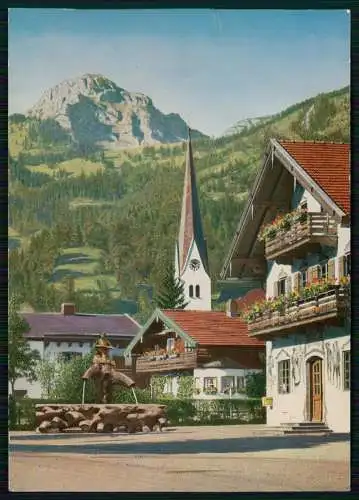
(171, 295)
(145, 306)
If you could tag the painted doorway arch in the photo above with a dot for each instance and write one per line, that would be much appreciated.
(315, 389)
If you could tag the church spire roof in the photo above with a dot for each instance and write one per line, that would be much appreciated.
(191, 224)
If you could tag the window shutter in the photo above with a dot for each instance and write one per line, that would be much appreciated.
(313, 273)
(331, 269)
(276, 289)
(288, 285)
(296, 282)
(341, 266)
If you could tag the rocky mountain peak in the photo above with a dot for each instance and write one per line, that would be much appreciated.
(96, 110)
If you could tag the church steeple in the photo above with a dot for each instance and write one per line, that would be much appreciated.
(191, 254)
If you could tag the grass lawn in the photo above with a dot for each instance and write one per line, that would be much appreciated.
(77, 165)
(15, 240)
(82, 264)
(83, 202)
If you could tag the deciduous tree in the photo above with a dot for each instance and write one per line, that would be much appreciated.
(22, 360)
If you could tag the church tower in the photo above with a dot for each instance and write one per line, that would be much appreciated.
(191, 261)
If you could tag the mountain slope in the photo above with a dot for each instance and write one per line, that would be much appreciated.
(246, 124)
(111, 216)
(94, 110)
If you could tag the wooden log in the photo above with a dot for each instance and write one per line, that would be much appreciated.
(88, 412)
(85, 425)
(44, 427)
(102, 427)
(101, 418)
(49, 415)
(58, 423)
(74, 417)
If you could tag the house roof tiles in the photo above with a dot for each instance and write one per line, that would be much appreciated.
(213, 328)
(328, 164)
(77, 325)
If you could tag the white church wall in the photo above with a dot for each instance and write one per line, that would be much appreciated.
(199, 278)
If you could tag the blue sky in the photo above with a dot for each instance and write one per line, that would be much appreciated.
(214, 67)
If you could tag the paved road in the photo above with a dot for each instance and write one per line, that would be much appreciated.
(229, 458)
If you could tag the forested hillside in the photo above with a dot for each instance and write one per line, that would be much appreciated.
(93, 225)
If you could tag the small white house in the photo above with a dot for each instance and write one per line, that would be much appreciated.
(61, 336)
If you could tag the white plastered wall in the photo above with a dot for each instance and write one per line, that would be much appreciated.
(199, 277)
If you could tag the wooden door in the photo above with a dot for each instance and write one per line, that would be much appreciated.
(316, 391)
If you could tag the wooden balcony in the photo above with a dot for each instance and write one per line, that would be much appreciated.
(184, 361)
(301, 238)
(330, 306)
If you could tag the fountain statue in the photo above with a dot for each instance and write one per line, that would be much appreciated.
(101, 416)
(103, 371)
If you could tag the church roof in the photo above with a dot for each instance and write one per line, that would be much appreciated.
(191, 224)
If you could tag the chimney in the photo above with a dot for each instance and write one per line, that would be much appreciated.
(68, 309)
(231, 308)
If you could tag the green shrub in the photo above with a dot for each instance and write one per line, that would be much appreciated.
(22, 414)
(125, 396)
(179, 411)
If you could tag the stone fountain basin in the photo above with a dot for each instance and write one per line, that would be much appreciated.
(131, 418)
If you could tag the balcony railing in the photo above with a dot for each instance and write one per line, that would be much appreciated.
(301, 237)
(183, 361)
(330, 305)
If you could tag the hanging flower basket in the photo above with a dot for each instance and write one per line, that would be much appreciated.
(282, 224)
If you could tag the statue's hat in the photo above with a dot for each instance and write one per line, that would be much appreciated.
(103, 342)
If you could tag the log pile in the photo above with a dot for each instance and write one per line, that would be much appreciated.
(100, 418)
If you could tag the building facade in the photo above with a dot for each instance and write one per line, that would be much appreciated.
(210, 346)
(294, 235)
(63, 336)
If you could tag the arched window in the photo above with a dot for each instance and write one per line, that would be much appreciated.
(197, 291)
(191, 290)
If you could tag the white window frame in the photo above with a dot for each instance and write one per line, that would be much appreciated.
(241, 383)
(225, 384)
(303, 282)
(168, 389)
(67, 356)
(170, 344)
(284, 382)
(346, 268)
(323, 264)
(282, 280)
(210, 382)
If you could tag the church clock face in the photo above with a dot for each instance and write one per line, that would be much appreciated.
(194, 264)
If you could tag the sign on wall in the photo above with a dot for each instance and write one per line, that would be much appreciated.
(267, 402)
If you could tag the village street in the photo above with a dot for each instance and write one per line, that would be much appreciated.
(221, 458)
